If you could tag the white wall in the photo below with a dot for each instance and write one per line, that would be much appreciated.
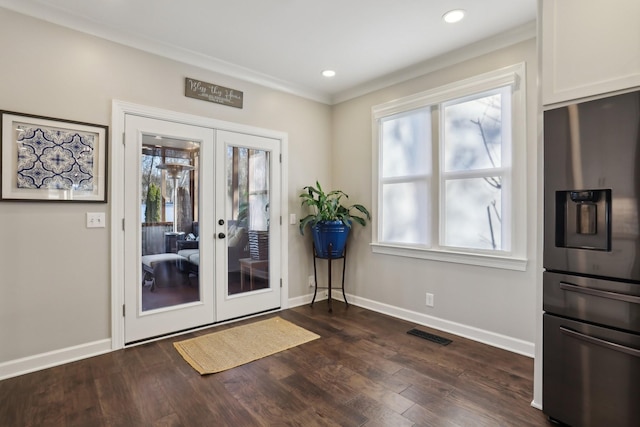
(54, 273)
(499, 302)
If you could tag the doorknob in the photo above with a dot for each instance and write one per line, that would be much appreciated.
(221, 236)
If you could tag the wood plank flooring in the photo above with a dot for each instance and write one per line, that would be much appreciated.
(364, 371)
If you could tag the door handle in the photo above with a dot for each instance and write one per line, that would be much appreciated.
(221, 236)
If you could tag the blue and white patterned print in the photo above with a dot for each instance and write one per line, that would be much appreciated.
(55, 158)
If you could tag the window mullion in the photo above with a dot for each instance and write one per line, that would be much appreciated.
(480, 173)
(437, 182)
(403, 179)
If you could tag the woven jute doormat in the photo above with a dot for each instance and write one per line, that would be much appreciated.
(219, 351)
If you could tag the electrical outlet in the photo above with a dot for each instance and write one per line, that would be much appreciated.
(429, 300)
(312, 281)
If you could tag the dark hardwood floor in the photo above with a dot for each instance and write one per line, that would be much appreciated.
(364, 371)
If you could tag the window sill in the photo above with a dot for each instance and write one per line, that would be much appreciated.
(492, 261)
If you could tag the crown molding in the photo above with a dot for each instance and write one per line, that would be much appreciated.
(62, 18)
(474, 50)
(98, 29)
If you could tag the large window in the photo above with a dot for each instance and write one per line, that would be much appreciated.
(451, 172)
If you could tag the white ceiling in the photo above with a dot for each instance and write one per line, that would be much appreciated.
(286, 44)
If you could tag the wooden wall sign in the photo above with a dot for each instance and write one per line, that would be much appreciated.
(212, 93)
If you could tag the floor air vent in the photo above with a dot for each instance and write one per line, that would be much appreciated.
(427, 336)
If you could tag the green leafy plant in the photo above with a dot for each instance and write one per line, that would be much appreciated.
(153, 204)
(329, 207)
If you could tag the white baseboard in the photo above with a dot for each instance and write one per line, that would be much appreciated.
(14, 368)
(504, 342)
(306, 299)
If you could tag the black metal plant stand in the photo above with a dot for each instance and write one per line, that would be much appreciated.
(315, 274)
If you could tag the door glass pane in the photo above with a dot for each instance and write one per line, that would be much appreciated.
(248, 198)
(169, 222)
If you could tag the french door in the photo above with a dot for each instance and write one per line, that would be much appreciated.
(198, 209)
(248, 203)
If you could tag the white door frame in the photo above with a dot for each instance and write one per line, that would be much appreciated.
(116, 175)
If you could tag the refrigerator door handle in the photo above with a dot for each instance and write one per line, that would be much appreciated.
(598, 293)
(603, 343)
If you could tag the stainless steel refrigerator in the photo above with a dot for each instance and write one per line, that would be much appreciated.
(591, 283)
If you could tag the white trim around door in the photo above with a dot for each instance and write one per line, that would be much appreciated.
(117, 170)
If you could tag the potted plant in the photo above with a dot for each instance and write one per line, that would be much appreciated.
(330, 221)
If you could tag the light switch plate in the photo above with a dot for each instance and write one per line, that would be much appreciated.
(95, 220)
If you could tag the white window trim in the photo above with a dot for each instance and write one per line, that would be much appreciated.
(516, 258)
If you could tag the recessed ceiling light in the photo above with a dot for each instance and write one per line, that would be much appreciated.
(328, 73)
(453, 16)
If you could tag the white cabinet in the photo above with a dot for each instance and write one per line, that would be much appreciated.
(589, 47)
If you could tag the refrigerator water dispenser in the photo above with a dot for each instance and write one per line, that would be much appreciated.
(583, 219)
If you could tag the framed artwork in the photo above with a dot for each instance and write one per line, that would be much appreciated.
(47, 159)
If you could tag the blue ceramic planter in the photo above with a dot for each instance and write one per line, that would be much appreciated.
(330, 232)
